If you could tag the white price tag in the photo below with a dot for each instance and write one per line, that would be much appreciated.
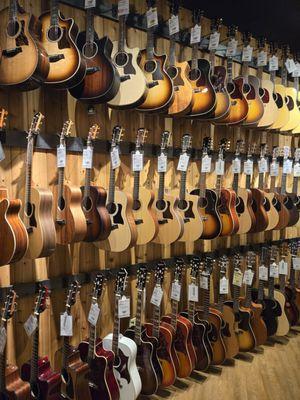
(195, 34)
(237, 278)
(224, 285)
(273, 63)
(3, 337)
(274, 270)
(173, 25)
(89, 3)
(124, 307)
(137, 161)
(263, 165)
(236, 166)
(231, 48)
(296, 263)
(247, 53)
(214, 40)
(263, 273)
(30, 325)
(206, 164)
(296, 73)
(193, 294)
(283, 267)
(87, 158)
(123, 7)
(274, 168)
(175, 292)
(248, 167)
(157, 296)
(296, 170)
(287, 166)
(203, 282)
(183, 162)
(152, 19)
(290, 65)
(94, 314)
(115, 158)
(262, 59)
(162, 163)
(66, 325)
(220, 167)
(61, 156)
(248, 277)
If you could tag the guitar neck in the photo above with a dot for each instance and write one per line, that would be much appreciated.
(195, 56)
(271, 287)
(202, 184)
(236, 295)
(172, 51)
(174, 305)
(182, 185)
(206, 301)
(150, 44)
(272, 184)
(248, 299)
(54, 13)
(282, 283)
(245, 69)
(248, 181)
(161, 186)
(229, 70)
(138, 319)
(283, 184)
(13, 10)
(87, 183)
(136, 186)
(92, 343)
(111, 189)
(66, 351)
(115, 343)
(295, 184)
(284, 76)
(221, 300)
(156, 321)
(292, 276)
(122, 33)
(191, 311)
(212, 59)
(219, 184)
(34, 355)
(28, 175)
(261, 180)
(235, 183)
(90, 31)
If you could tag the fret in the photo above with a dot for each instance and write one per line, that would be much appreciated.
(66, 352)
(182, 185)
(174, 305)
(206, 301)
(138, 318)
(156, 321)
(115, 344)
(284, 76)
(248, 181)
(283, 184)
(111, 189)
(261, 180)
(90, 31)
(248, 299)
(28, 177)
(236, 295)
(136, 186)
(195, 56)
(122, 31)
(150, 44)
(54, 13)
(13, 10)
(87, 186)
(92, 343)
(202, 185)
(260, 294)
(235, 183)
(35, 355)
(229, 69)
(172, 51)
(219, 185)
(282, 283)
(161, 186)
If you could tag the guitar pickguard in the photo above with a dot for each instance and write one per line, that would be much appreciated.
(22, 40)
(128, 68)
(32, 219)
(122, 369)
(117, 218)
(157, 74)
(167, 213)
(178, 81)
(64, 42)
(189, 212)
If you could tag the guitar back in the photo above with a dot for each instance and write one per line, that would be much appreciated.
(292, 209)
(16, 388)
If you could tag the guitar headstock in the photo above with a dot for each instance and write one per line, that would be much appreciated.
(216, 25)
(197, 16)
(65, 132)
(140, 138)
(121, 282)
(239, 147)
(223, 264)
(179, 264)
(232, 31)
(274, 48)
(174, 7)
(72, 294)
(208, 266)
(263, 150)
(93, 133)
(237, 262)
(247, 37)
(9, 305)
(117, 134)
(3, 117)
(224, 146)
(251, 259)
(142, 274)
(195, 267)
(41, 300)
(261, 43)
(275, 153)
(165, 140)
(35, 125)
(273, 253)
(159, 273)
(297, 155)
(150, 3)
(186, 143)
(98, 287)
(285, 152)
(207, 145)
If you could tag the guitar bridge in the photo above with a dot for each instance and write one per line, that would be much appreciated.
(163, 221)
(56, 57)
(92, 70)
(11, 52)
(152, 84)
(124, 78)
(138, 221)
(61, 222)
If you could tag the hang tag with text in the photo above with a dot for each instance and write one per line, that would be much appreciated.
(296, 73)
(195, 34)
(273, 63)
(175, 292)
(237, 278)
(247, 53)
(61, 156)
(173, 25)
(236, 165)
(262, 59)
(206, 164)
(115, 158)
(89, 3)
(124, 307)
(287, 166)
(296, 263)
(30, 325)
(274, 168)
(66, 325)
(193, 292)
(3, 338)
(123, 7)
(274, 270)
(214, 40)
(157, 296)
(220, 167)
(248, 277)
(248, 167)
(263, 273)
(296, 170)
(183, 162)
(231, 48)
(152, 18)
(137, 161)
(87, 158)
(203, 282)
(263, 165)
(290, 65)
(283, 267)
(94, 314)
(162, 163)
(223, 289)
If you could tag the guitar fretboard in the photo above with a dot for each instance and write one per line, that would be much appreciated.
(28, 175)
(66, 352)
(54, 13)
(92, 343)
(34, 355)
(283, 183)
(115, 344)
(156, 321)
(172, 53)
(161, 186)
(236, 295)
(174, 305)
(195, 56)
(111, 189)
(136, 186)
(90, 32)
(235, 183)
(202, 184)
(13, 10)
(122, 31)
(229, 69)
(182, 185)
(150, 44)
(138, 319)
(87, 185)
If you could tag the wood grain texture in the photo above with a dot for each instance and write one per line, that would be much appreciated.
(16, 388)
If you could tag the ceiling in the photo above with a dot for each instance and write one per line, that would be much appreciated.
(277, 20)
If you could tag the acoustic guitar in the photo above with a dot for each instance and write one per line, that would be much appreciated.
(58, 37)
(143, 213)
(24, 62)
(178, 72)
(292, 290)
(294, 194)
(207, 197)
(204, 96)
(133, 87)
(93, 197)
(44, 382)
(37, 207)
(296, 86)
(101, 378)
(188, 205)
(119, 204)
(102, 81)
(124, 349)
(11, 385)
(170, 222)
(160, 85)
(70, 221)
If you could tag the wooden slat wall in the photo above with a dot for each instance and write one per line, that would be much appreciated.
(57, 107)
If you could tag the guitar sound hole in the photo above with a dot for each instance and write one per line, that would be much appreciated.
(150, 66)
(261, 92)
(28, 209)
(172, 72)
(246, 88)
(54, 33)
(121, 59)
(230, 87)
(267, 205)
(111, 208)
(13, 28)
(161, 205)
(183, 204)
(90, 50)
(87, 203)
(240, 207)
(136, 205)
(61, 203)
(194, 74)
(203, 202)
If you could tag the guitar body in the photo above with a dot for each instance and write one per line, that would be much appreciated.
(222, 107)
(160, 86)
(260, 213)
(209, 214)
(48, 383)
(101, 82)
(165, 352)
(204, 96)
(283, 111)
(125, 368)
(294, 112)
(24, 63)
(230, 338)
(255, 104)
(170, 222)
(283, 322)
(288, 201)
(291, 308)
(123, 234)
(41, 235)
(190, 214)
(144, 216)
(133, 86)
(273, 210)
(16, 389)
(227, 212)
(67, 68)
(96, 215)
(270, 312)
(71, 226)
(258, 325)
(101, 378)
(216, 338)
(270, 108)
(239, 107)
(283, 213)
(244, 211)
(183, 92)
